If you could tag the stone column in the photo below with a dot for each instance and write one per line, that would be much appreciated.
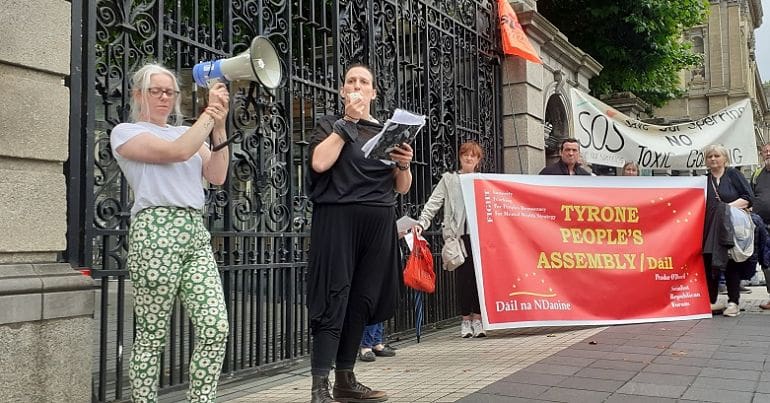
(523, 139)
(46, 307)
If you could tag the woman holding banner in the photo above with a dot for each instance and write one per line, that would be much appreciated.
(725, 185)
(448, 194)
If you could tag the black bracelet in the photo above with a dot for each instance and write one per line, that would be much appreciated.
(346, 129)
(402, 167)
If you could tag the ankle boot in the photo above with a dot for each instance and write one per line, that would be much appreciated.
(348, 389)
(319, 392)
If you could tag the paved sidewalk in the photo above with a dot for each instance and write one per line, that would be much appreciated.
(721, 359)
(442, 368)
(710, 360)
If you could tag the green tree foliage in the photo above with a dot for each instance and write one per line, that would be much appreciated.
(639, 42)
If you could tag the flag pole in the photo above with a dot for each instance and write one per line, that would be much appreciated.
(516, 132)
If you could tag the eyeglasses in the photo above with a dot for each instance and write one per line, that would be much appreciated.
(156, 92)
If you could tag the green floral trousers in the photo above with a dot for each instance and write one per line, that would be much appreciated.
(169, 256)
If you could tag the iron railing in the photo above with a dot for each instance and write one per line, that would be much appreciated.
(434, 57)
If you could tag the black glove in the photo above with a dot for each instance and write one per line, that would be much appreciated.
(346, 129)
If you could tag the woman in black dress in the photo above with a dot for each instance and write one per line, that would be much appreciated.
(353, 273)
(725, 185)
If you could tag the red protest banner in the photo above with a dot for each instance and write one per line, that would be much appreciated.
(515, 41)
(592, 250)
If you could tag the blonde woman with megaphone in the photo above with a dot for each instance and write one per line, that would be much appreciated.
(169, 247)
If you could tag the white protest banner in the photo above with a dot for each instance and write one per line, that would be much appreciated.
(609, 137)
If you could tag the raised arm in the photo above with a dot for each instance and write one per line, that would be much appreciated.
(215, 163)
(146, 147)
(325, 154)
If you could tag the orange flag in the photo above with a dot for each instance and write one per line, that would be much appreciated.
(515, 42)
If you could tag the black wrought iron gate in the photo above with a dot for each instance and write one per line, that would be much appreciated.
(435, 57)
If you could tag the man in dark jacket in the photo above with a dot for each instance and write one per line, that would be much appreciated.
(760, 184)
(568, 164)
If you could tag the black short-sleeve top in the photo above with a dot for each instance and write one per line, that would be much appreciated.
(353, 178)
(732, 186)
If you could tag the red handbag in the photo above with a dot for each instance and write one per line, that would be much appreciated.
(418, 273)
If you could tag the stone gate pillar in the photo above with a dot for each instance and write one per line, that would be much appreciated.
(534, 93)
(46, 307)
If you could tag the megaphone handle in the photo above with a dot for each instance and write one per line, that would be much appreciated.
(223, 144)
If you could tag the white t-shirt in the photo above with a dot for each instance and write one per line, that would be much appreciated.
(177, 184)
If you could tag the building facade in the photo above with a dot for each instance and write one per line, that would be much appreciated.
(729, 70)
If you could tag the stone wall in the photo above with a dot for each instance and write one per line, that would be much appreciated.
(46, 325)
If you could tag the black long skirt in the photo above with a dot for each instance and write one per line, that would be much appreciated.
(353, 264)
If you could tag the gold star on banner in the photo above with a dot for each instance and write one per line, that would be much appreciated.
(530, 289)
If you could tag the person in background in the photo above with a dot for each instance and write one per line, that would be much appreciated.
(372, 344)
(630, 169)
(760, 183)
(353, 267)
(724, 185)
(169, 247)
(569, 161)
(448, 194)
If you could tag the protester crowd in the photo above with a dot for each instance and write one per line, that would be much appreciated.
(353, 275)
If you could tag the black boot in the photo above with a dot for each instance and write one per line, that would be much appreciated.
(348, 390)
(319, 393)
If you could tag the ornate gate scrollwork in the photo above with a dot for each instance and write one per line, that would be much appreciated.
(434, 57)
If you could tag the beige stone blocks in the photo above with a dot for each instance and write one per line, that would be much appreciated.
(34, 207)
(527, 157)
(35, 115)
(518, 70)
(46, 333)
(37, 366)
(523, 98)
(34, 111)
(36, 33)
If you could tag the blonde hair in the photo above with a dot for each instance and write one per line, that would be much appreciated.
(630, 164)
(140, 82)
(716, 149)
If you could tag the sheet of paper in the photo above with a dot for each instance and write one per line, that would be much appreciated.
(402, 127)
(409, 238)
(405, 223)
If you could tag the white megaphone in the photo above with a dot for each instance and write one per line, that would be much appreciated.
(260, 63)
